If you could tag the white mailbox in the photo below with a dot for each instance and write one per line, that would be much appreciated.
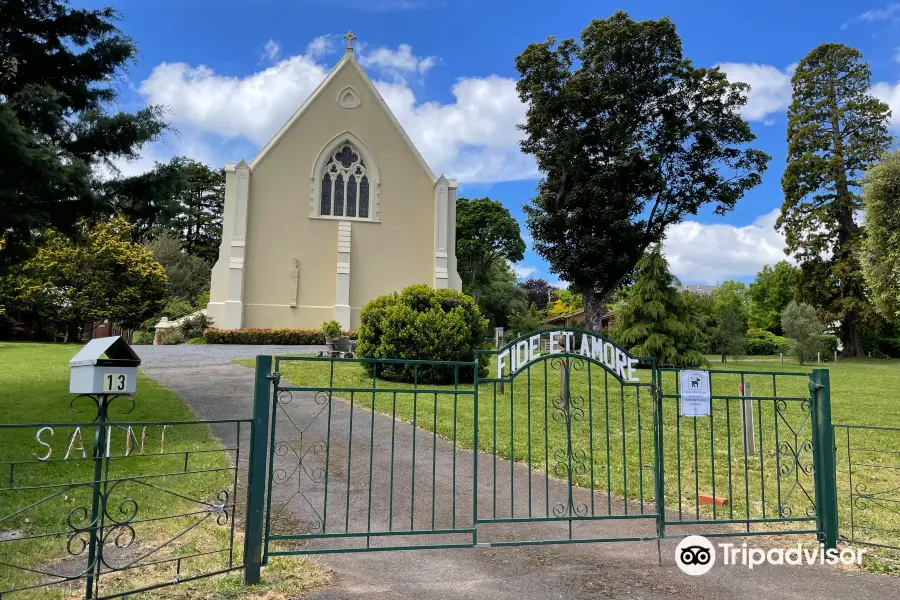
(104, 366)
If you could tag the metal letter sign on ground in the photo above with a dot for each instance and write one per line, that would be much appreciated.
(577, 442)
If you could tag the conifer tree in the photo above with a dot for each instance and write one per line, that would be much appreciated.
(836, 131)
(654, 319)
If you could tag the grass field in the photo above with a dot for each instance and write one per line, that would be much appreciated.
(45, 505)
(612, 437)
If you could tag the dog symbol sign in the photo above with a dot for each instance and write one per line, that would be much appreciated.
(695, 394)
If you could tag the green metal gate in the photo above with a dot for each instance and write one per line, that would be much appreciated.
(576, 442)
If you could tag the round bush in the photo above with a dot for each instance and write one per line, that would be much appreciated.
(762, 342)
(421, 323)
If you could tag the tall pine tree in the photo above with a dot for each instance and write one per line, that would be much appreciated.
(654, 319)
(836, 131)
(58, 71)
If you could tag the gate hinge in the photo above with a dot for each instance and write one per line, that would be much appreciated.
(275, 377)
(814, 387)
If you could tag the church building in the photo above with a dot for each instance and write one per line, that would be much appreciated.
(337, 209)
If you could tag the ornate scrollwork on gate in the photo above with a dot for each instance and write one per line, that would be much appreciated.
(301, 462)
(568, 462)
(795, 457)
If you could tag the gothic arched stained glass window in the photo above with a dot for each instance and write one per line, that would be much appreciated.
(345, 184)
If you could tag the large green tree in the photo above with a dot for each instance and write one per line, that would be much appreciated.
(881, 255)
(57, 124)
(183, 196)
(149, 200)
(202, 203)
(188, 276)
(655, 320)
(836, 131)
(772, 290)
(630, 137)
(731, 296)
(98, 274)
(501, 297)
(485, 233)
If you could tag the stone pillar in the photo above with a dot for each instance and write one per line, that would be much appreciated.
(441, 193)
(342, 288)
(234, 299)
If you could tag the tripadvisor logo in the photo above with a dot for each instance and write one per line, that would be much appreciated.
(696, 555)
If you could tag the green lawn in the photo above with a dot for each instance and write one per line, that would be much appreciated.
(614, 439)
(34, 389)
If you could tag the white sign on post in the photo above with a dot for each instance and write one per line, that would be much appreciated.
(695, 395)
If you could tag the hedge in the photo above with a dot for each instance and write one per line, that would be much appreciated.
(763, 342)
(275, 337)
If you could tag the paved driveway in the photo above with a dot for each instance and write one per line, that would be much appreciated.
(156, 357)
(604, 570)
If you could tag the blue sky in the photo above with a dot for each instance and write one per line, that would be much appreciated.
(232, 72)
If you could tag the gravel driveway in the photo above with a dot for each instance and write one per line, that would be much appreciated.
(208, 355)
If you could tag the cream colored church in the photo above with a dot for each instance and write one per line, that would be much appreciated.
(337, 209)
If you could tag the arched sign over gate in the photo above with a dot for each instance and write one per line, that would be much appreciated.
(518, 353)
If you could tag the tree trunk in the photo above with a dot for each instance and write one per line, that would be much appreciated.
(850, 336)
(724, 360)
(72, 332)
(594, 309)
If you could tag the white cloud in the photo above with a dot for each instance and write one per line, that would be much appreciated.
(770, 88)
(253, 106)
(396, 64)
(711, 253)
(474, 138)
(889, 12)
(271, 51)
(523, 271)
(890, 94)
(187, 144)
(320, 46)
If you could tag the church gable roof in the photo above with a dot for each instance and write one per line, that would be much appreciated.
(347, 62)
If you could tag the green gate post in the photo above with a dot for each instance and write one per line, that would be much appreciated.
(825, 480)
(256, 478)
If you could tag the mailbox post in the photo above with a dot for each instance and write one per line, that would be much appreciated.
(103, 370)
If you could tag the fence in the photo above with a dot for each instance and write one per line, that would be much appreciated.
(868, 478)
(93, 507)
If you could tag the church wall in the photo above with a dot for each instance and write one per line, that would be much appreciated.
(219, 279)
(385, 256)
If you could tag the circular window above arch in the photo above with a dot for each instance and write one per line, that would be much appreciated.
(348, 98)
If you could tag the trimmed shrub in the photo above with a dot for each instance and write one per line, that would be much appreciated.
(331, 329)
(829, 344)
(421, 323)
(193, 327)
(197, 341)
(294, 337)
(763, 342)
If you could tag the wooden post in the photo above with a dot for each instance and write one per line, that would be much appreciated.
(747, 419)
(835, 357)
(782, 359)
(498, 342)
(818, 357)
